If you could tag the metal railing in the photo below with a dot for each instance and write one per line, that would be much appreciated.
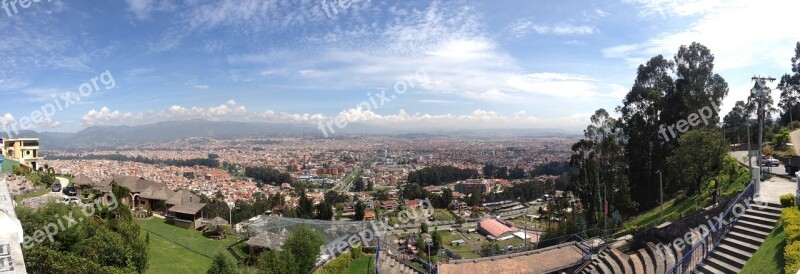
(690, 261)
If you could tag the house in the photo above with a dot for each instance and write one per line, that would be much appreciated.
(23, 150)
(349, 207)
(472, 185)
(494, 229)
(149, 195)
(369, 216)
(390, 205)
(188, 216)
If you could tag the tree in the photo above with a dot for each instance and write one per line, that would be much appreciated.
(437, 242)
(304, 245)
(305, 209)
(277, 262)
(423, 228)
(370, 185)
(223, 264)
(360, 208)
(324, 211)
(447, 197)
(697, 159)
(358, 185)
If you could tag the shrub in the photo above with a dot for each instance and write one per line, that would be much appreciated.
(787, 200)
(792, 255)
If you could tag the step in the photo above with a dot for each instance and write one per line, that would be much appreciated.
(758, 219)
(729, 259)
(742, 246)
(648, 265)
(636, 262)
(732, 251)
(610, 263)
(722, 266)
(658, 262)
(622, 260)
(751, 239)
(765, 214)
(750, 231)
(705, 268)
(774, 208)
(756, 226)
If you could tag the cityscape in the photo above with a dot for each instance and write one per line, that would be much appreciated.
(412, 137)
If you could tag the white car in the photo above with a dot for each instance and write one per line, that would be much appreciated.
(769, 161)
(70, 201)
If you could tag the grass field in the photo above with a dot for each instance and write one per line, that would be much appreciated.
(168, 257)
(362, 265)
(769, 257)
(177, 243)
(443, 215)
(464, 250)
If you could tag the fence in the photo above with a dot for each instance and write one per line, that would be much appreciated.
(711, 239)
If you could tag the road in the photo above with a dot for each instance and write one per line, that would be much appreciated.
(741, 156)
(346, 183)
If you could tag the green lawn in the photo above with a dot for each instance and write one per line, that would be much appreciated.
(362, 265)
(769, 257)
(443, 215)
(180, 243)
(168, 257)
(464, 250)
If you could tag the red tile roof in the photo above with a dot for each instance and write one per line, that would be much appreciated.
(494, 228)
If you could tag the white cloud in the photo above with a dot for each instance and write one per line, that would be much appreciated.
(477, 119)
(740, 34)
(524, 27)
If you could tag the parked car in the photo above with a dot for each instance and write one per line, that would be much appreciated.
(56, 187)
(70, 201)
(769, 161)
(70, 191)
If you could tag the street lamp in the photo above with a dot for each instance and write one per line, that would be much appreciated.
(231, 207)
(760, 91)
(661, 191)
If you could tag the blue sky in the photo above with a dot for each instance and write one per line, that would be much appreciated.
(465, 64)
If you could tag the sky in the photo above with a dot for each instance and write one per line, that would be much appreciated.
(68, 65)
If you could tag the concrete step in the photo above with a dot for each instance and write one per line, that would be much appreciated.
(758, 219)
(611, 264)
(763, 213)
(658, 262)
(648, 265)
(622, 260)
(728, 259)
(755, 226)
(722, 266)
(751, 239)
(774, 208)
(749, 231)
(741, 246)
(732, 251)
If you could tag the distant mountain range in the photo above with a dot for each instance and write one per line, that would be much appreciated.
(100, 136)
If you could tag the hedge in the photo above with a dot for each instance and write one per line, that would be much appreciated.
(790, 218)
(787, 200)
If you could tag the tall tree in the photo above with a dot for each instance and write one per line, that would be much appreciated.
(360, 208)
(305, 209)
(304, 245)
(643, 124)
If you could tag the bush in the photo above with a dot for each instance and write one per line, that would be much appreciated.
(792, 255)
(787, 200)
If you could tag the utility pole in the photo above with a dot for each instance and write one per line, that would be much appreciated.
(760, 90)
(661, 191)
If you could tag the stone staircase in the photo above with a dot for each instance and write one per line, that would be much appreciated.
(742, 241)
(390, 265)
(733, 251)
(645, 260)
